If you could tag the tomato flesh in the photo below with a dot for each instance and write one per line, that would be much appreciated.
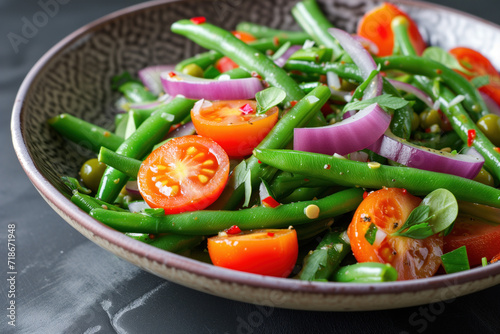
(388, 210)
(232, 125)
(376, 26)
(479, 65)
(270, 252)
(185, 174)
(480, 238)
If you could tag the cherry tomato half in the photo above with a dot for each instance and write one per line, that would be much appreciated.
(388, 210)
(376, 26)
(234, 124)
(479, 237)
(185, 174)
(479, 65)
(266, 252)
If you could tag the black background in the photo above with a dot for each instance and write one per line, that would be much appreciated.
(67, 284)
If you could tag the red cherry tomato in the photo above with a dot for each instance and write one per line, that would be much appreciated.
(479, 65)
(234, 124)
(264, 252)
(480, 238)
(376, 26)
(185, 174)
(388, 210)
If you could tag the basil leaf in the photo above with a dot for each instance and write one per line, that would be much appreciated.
(480, 81)
(385, 101)
(371, 233)
(441, 56)
(268, 98)
(443, 209)
(456, 260)
(316, 260)
(416, 225)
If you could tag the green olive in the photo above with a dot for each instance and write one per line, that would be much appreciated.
(193, 70)
(91, 173)
(415, 121)
(429, 118)
(490, 126)
(485, 177)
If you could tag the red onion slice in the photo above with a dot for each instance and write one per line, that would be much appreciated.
(367, 44)
(150, 77)
(413, 90)
(360, 57)
(352, 134)
(399, 150)
(132, 188)
(176, 83)
(281, 61)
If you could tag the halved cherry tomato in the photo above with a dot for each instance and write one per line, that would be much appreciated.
(225, 64)
(479, 65)
(388, 210)
(265, 252)
(185, 174)
(237, 130)
(376, 26)
(480, 238)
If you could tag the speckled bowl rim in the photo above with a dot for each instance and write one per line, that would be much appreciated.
(65, 207)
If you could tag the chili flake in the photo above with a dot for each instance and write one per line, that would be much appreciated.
(270, 234)
(198, 20)
(246, 109)
(471, 135)
(233, 230)
(270, 202)
(496, 149)
(171, 74)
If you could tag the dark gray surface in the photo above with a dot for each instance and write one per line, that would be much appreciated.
(66, 284)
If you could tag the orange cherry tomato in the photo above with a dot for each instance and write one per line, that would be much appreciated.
(376, 26)
(185, 174)
(225, 64)
(268, 252)
(234, 124)
(480, 238)
(479, 65)
(388, 210)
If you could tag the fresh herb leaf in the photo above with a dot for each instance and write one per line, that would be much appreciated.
(443, 209)
(385, 101)
(416, 226)
(441, 56)
(456, 260)
(155, 212)
(316, 261)
(371, 233)
(74, 185)
(248, 188)
(268, 98)
(358, 93)
(480, 81)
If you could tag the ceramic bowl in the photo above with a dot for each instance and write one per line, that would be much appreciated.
(74, 77)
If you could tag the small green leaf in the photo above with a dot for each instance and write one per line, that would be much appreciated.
(456, 260)
(443, 209)
(248, 187)
(268, 98)
(316, 260)
(441, 56)
(416, 225)
(371, 233)
(480, 81)
(385, 101)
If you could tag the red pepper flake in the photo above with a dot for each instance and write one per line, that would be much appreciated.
(151, 236)
(293, 103)
(256, 75)
(171, 74)
(439, 72)
(386, 63)
(496, 149)
(270, 234)
(405, 191)
(258, 161)
(233, 230)
(471, 135)
(270, 202)
(198, 20)
(246, 109)
(365, 194)
(306, 180)
(276, 41)
(327, 166)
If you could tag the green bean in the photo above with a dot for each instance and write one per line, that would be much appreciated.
(322, 262)
(311, 19)
(203, 60)
(366, 272)
(261, 31)
(236, 73)
(126, 165)
(136, 92)
(439, 141)
(279, 136)
(212, 37)
(347, 71)
(141, 141)
(211, 222)
(285, 183)
(353, 173)
(88, 203)
(309, 86)
(303, 194)
(170, 242)
(306, 232)
(84, 133)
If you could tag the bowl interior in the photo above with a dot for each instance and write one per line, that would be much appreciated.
(74, 77)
